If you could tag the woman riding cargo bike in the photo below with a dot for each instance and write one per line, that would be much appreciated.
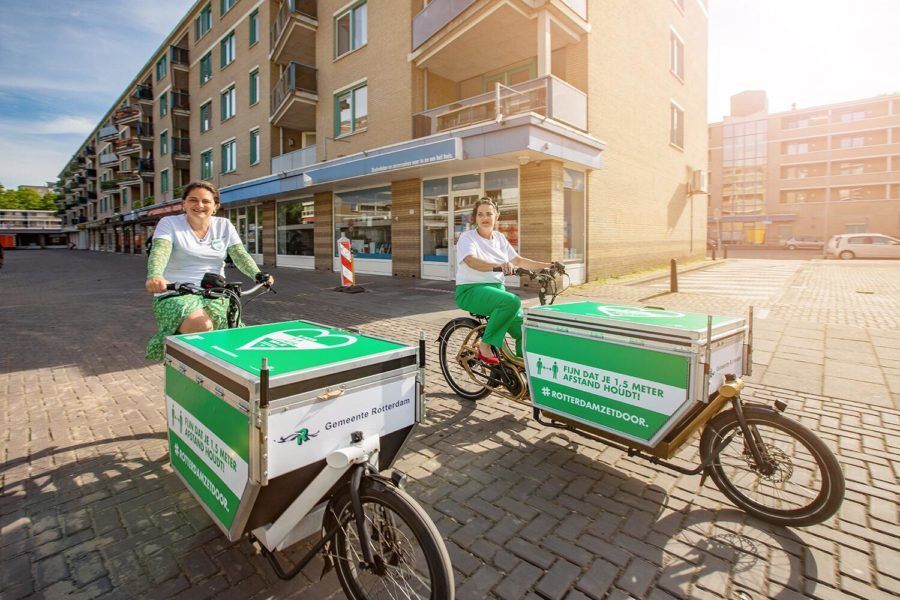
(282, 431)
(644, 380)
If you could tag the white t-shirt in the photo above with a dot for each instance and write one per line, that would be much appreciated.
(496, 250)
(191, 258)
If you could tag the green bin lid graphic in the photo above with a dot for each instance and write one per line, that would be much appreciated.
(290, 347)
(636, 315)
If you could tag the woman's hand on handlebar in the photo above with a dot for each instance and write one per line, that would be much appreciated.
(155, 285)
(265, 278)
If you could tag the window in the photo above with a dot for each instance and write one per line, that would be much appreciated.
(205, 116)
(254, 147)
(364, 216)
(228, 104)
(503, 188)
(798, 148)
(676, 125)
(164, 181)
(229, 156)
(163, 105)
(124, 198)
(676, 55)
(853, 142)
(227, 50)
(435, 219)
(296, 222)
(205, 68)
(351, 111)
(206, 164)
(163, 143)
(350, 30)
(851, 168)
(573, 216)
(161, 68)
(254, 27)
(225, 6)
(254, 86)
(855, 228)
(203, 22)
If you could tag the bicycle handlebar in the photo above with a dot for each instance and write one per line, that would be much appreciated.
(217, 292)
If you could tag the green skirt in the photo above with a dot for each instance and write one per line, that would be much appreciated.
(171, 311)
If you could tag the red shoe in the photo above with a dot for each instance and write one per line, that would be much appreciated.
(488, 360)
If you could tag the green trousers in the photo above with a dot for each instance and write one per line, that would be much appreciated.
(503, 308)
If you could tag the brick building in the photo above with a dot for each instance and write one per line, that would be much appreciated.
(384, 121)
(807, 172)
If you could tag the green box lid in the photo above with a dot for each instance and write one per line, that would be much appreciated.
(291, 347)
(639, 318)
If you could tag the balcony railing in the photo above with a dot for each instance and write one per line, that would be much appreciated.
(80, 160)
(179, 56)
(81, 199)
(180, 100)
(294, 160)
(126, 145)
(143, 91)
(108, 159)
(126, 113)
(109, 185)
(296, 77)
(433, 17)
(90, 172)
(143, 129)
(91, 195)
(88, 150)
(145, 165)
(547, 96)
(181, 146)
(107, 132)
(287, 9)
(80, 181)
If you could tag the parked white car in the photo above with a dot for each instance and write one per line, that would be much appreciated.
(862, 245)
(803, 241)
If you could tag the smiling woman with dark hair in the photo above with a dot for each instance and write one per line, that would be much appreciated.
(480, 289)
(185, 247)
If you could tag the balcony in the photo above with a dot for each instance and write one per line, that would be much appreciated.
(180, 101)
(294, 160)
(88, 151)
(181, 151)
(91, 195)
(179, 58)
(81, 199)
(144, 131)
(109, 160)
(127, 146)
(126, 114)
(293, 34)
(110, 132)
(109, 185)
(90, 172)
(546, 96)
(80, 160)
(126, 178)
(448, 36)
(143, 93)
(145, 168)
(294, 98)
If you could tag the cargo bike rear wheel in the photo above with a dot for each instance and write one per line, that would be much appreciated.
(410, 560)
(457, 341)
(799, 482)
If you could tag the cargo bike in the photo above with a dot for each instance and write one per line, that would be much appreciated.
(645, 380)
(281, 432)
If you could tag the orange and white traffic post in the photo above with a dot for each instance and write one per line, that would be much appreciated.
(348, 277)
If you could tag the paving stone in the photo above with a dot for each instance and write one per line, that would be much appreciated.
(558, 580)
(519, 580)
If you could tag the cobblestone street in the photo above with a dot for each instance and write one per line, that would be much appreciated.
(91, 508)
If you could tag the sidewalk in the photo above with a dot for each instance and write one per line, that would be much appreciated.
(90, 507)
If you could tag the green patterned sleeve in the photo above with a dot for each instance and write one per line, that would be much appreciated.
(160, 252)
(242, 260)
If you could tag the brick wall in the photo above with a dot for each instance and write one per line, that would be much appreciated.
(406, 230)
(541, 211)
(268, 233)
(324, 209)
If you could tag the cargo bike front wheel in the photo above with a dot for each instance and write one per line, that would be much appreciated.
(797, 483)
(409, 558)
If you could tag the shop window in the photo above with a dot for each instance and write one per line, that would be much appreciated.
(573, 216)
(364, 217)
(296, 221)
(435, 219)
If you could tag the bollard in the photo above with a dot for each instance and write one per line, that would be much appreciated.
(348, 277)
(673, 276)
(714, 253)
(724, 251)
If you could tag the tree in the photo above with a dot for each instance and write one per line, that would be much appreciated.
(48, 202)
(9, 199)
(29, 199)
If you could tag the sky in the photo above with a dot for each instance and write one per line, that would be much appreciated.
(63, 63)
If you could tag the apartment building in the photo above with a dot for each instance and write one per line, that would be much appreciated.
(383, 122)
(811, 172)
